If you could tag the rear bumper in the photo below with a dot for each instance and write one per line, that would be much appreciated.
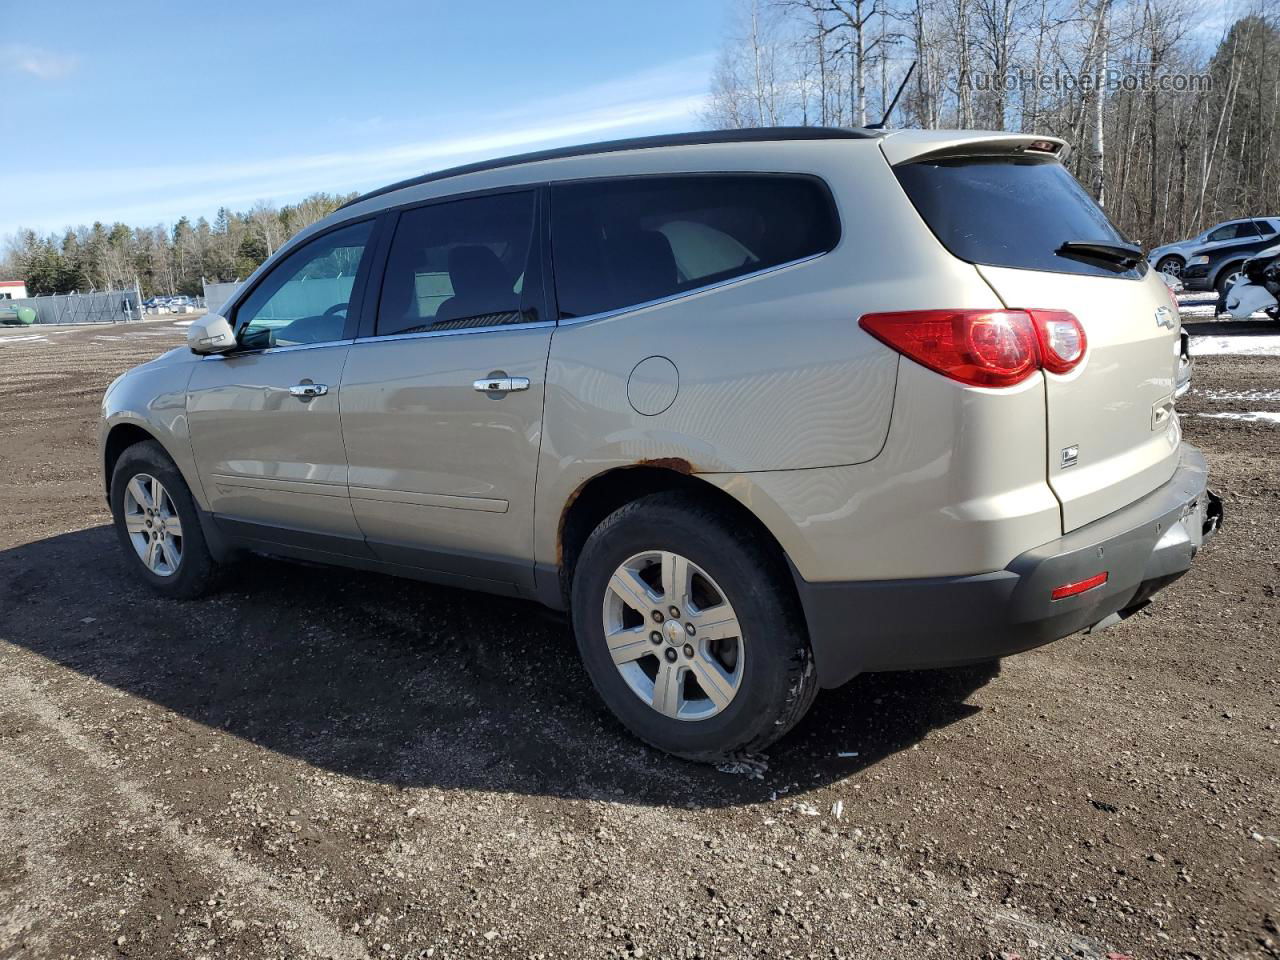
(861, 626)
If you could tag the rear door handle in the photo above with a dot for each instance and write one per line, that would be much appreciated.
(501, 385)
(306, 390)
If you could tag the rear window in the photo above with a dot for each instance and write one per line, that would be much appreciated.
(620, 243)
(1011, 213)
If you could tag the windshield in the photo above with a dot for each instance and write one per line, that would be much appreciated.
(1012, 212)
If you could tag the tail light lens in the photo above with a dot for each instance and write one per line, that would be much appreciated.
(1062, 339)
(983, 348)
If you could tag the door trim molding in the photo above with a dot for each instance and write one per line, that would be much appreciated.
(312, 488)
(448, 501)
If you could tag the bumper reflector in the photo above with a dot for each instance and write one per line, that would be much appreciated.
(1079, 587)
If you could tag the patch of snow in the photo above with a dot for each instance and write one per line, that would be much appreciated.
(36, 338)
(1242, 346)
(1255, 416)
(1197, 311)
(183, 323)
(1254, 396)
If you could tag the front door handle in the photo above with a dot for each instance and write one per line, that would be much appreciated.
(306, 390)
(501, 385)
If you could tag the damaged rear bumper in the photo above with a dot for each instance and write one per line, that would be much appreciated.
(862, 626)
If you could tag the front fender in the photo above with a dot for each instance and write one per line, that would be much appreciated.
(153, 398)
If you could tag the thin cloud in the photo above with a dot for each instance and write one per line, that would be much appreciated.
(666, 98)
(37, 62)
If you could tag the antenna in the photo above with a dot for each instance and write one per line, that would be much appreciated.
(880, 126)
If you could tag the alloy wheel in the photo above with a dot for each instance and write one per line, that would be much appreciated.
(673, 635)
(152, 522)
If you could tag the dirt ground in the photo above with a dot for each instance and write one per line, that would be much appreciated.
(318, 763)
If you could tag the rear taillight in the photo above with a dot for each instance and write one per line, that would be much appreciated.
(983, 348)
(1062, 339)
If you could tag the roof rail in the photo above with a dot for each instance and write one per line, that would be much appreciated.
(747, 135)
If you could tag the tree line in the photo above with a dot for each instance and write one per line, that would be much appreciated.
(160, 259)
(1165, 163)
(1171, 130)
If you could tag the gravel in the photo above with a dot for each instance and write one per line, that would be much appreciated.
(320, 763)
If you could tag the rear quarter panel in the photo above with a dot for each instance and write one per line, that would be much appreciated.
(774, 373)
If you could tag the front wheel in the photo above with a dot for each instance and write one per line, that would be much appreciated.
(1171, 266)
(688, 625)
(157, 524)
(1228, 276)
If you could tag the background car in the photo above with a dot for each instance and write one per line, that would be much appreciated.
(1216, 266)
(1172, 257)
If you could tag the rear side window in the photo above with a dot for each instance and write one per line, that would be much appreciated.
(1010, 213)
(458, 265)
(620, 243)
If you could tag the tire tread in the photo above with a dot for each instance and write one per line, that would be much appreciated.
(799, 676)
(199, 574)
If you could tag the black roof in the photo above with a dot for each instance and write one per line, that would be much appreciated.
(748, 135)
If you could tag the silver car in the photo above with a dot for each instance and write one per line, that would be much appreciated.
(761, 409)
(1172, 258)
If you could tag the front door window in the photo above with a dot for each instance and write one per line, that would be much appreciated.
(307, 296)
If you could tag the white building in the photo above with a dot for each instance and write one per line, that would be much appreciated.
(13, 290)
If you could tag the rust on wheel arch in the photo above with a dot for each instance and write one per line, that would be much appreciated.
(675, 464)
(678, 464)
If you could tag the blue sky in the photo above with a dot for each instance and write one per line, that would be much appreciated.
(144, 112)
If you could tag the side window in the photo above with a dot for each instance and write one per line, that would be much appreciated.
(458, 264)
(304, 299)
(1265, 227)
(1222, 233)
(619, 243)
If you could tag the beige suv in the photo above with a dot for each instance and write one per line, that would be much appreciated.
(762, 409)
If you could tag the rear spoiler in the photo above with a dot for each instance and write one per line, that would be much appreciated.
(912, 146)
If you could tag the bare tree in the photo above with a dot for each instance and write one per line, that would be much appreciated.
(266, 218)
(1164, 162)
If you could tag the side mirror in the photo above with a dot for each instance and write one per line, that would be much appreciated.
(210, 334)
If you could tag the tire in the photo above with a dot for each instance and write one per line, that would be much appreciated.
(771, 660)
(195, 572)
(1172, 265)
(1222, 281)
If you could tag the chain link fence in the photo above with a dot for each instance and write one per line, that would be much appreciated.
(109, 306)
(217, 294)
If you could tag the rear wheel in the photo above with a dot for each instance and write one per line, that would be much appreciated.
(689, 628)
(1171, 265)
(157, 524)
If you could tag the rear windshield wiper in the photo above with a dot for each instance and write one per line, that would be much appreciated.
(1122, 254)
